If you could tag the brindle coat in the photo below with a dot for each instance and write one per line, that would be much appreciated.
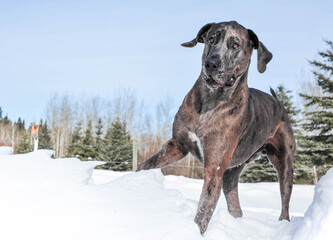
(225, 124)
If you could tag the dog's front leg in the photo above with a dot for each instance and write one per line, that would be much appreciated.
(218, 151)
(170, 152)
(209, 197)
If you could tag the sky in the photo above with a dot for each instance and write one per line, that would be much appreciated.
(95, 47)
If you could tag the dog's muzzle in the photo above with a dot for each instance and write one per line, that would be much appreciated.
(218, 82)
(214, 76)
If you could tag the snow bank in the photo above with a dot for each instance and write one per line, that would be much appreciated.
(6, 150)
(317, 223)
(44, 198)
(260, 203)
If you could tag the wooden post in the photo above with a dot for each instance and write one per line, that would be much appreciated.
(135, 156)
(193, 167)
(188, 172)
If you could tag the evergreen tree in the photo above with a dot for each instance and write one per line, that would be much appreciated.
(104, 154)
(98, 139)
(24, 145)
(302, 168)
(74, 148)
(0, 112)
(44, 137)
(317, 145)
(285, 98)
(262, 170)
(117, 148)
(5, 120)
(86, 150)
(20, 124)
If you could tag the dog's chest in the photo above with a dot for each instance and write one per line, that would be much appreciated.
(221, 117)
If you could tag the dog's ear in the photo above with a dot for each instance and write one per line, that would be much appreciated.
(264, 56)
(200, 36)
(254, 39)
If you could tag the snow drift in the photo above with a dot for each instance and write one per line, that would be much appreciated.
(317, 223)
(6, 150)
(45, 198)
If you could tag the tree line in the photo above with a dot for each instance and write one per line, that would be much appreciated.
(115, 148)
(92, 128)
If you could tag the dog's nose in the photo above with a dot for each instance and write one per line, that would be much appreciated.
(211, 64)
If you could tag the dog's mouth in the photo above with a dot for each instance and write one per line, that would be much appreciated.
(214, 84)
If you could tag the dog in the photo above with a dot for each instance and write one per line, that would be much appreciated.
(225, 124)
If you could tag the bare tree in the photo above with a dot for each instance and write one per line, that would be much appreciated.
(60, 116)
(165, 116)
(5, 131)
(64, 112)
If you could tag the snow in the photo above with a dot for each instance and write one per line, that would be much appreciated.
(317, 223)
(45, 198)
(6, 150)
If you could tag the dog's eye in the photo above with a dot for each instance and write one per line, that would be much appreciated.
(211, 40)
(235, 46)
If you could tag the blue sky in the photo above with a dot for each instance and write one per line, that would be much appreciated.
(95, 47)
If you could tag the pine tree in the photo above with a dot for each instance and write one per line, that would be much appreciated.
(105, 150)
(262, 170)
(117, 148)
(86, 150)
(5, 120)
(24, 145)
(317, 145)
(259, 171)
(98, 139)
(20, 124)
(44, 141)
(74, 148)
(302, 167)
(285, 98)
(0, 112)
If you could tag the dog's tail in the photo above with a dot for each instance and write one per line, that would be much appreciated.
(274, 94)
(276, 97)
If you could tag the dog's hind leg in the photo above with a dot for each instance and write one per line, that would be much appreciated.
(230, 190)
(280, 151)
(170, 152)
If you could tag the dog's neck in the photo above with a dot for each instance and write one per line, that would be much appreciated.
(240, 87)
(220, 96)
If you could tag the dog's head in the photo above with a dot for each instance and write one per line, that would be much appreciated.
(227, 53)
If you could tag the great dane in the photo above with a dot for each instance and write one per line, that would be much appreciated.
(225, 124)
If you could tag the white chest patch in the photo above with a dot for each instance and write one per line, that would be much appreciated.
(194, 138)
